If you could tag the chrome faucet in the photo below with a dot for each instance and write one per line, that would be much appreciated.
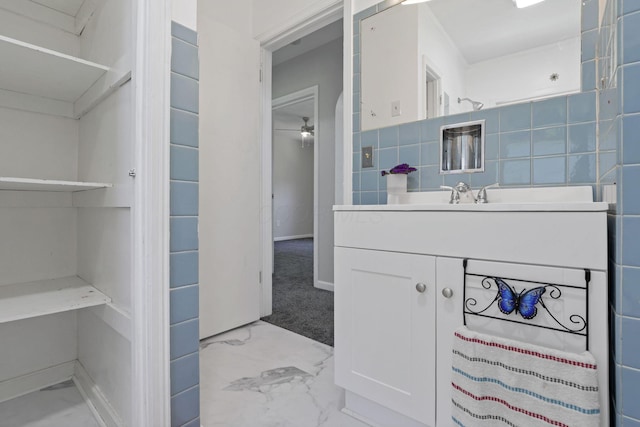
(482, 193)
(455, 196)
(463, 190)
(460, 191)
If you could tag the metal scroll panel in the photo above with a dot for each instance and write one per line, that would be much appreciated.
(528, 302)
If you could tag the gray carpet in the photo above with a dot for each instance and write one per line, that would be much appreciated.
(297, 305)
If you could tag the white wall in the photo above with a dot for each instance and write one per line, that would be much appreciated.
(268, 16)
(360, 5)
(185, 12)
(390, 70)
(25, 29)
(397, 43)
(292, 182)
(442, 56)
(322, 67)
(525, 75)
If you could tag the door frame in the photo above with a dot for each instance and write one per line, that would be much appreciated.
(312, 19)
(150, 378)
(283, 101)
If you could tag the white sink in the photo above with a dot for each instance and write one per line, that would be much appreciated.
(579, 198)
(545, 198)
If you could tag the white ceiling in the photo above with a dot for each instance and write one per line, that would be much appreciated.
(309, 42)
(290, 116)
(69, 7)
(484, 29)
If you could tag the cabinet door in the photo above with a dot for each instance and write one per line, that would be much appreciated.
(385, 329)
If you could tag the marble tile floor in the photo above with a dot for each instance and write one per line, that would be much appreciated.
(60, 405)
(261, 375)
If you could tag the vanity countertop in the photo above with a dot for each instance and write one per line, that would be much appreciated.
(488, 207)
(535, 199)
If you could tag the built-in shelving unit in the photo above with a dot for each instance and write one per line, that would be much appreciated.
(34, 70)
(28, 184)
(26, 300)
(59, 230)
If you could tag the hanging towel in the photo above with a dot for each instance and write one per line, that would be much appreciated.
(500, 382)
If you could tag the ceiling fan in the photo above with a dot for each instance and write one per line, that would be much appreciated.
(306, 131)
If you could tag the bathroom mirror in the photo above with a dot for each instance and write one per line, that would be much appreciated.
(449, 56)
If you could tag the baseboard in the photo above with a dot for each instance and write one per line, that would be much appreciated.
(25, 384)
(324, 285)
(97, 402)
(301, 236)
(375, 414)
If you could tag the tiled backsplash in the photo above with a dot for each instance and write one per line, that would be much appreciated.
(184, 305)
(548, 142)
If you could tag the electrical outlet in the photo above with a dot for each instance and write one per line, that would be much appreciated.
(367, 157)
(277, 223)
(395, 109)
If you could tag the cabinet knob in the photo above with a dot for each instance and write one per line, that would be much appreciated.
(421, 287)
(447, 292)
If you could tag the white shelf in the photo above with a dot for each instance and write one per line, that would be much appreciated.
(26, 300)
(37, 71)
(28, 184)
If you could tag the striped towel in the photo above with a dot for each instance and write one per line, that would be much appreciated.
(500, 382)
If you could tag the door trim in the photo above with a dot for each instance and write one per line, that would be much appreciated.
(150, 216)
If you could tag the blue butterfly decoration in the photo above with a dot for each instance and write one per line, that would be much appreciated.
(524, 302)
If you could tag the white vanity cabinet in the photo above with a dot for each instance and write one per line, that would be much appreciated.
(386, 324)
(393, 341)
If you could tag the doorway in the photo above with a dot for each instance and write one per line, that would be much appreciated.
(297, 304)
(307, 67)
(294, 174)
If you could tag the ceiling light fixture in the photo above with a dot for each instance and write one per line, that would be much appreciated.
(525, 3)
(306, 130)
(414, 1)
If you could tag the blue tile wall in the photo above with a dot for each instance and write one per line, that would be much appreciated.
(184, 128)
(572, 142)
(184, 163)
(184, 373)
(550, 112)
(619, 128)
(184, 175)
(183, 234)
(535, 131)
(184, 93)
(184, 268)
(184, 405)
(184, 198)
(184, 304)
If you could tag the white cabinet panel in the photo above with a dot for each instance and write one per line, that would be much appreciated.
(385, 329)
